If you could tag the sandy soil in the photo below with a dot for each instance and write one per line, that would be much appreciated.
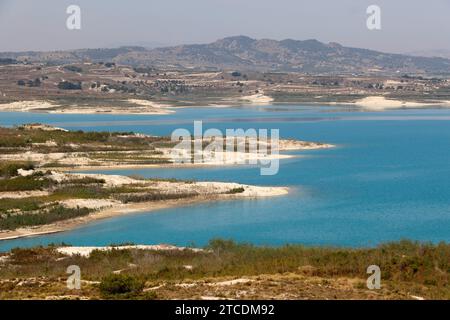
(259, 98)
(141, 107)
(382, 103)
(89, 203)
(82, 161)
(207, 191)
(152, 105)
(23, 194)
(86, 251)
(239, 158)
(28, 106)
(201, 188)
(110, 179)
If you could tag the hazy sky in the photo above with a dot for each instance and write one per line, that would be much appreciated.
(407, 25)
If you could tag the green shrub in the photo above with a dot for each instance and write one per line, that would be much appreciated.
(236, 190)
(153, 196)
(24, 204)
(82, 192)
(119, 284)
(9, 169)
(73, 68)
(66, 85)
(58, 213)
(34, 182)
(149, 295)
(13, 142)
(84, 180)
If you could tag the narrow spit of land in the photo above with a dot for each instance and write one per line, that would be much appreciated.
(39, 195)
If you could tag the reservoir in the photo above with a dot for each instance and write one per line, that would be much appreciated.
(387, 179)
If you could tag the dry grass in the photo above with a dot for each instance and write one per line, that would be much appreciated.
(290, 272)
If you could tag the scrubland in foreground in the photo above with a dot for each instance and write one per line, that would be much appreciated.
(226, 270)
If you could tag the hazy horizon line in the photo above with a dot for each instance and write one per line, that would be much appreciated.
(150, 45)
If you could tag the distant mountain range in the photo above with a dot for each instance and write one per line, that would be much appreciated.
(244, 53)
(439, 53)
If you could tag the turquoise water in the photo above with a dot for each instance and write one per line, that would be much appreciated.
(388, 179)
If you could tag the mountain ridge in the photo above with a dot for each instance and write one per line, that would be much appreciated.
(243, 52)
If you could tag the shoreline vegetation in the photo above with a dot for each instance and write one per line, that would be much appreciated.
(227, 270)
(149, 107)
(39, 196)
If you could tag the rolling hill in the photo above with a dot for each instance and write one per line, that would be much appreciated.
(241, 52)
